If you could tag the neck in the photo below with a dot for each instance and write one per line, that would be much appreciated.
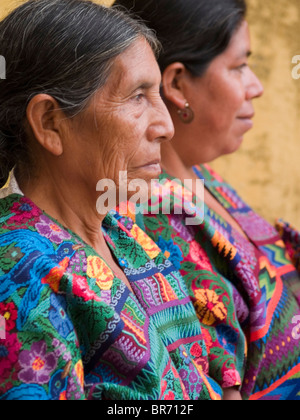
(72, 206)
(174, 165)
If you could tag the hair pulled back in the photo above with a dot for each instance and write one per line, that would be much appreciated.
(63, 48)
(192, 32)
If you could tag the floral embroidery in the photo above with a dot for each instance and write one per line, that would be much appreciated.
(171, 251)
(9, 349)
(24, 212)
(149, 246)
(236, 294)
(82, 289)
(73, 329)
(56, 274)
(10, 314)
(37, 365)
(208, 307)
(196, 350)
(98, 269)
(51, 230)
(231, 379)
(123, 262)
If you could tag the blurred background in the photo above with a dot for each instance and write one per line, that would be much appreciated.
(266, 171)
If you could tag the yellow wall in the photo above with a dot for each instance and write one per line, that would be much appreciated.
(266, 171)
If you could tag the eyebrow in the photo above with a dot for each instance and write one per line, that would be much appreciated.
(243, 54)
(144, 86)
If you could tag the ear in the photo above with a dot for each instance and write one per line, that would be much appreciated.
(44, 116)
(174, 79)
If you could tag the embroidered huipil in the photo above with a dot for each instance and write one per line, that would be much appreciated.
(73, 330)
(245, 291)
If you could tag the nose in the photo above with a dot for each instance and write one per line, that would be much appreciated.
(255, 88)
(162, 128)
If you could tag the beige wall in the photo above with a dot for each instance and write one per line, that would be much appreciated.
(266, 171)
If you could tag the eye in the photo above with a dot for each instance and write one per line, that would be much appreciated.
(139, 98)
(242, 67)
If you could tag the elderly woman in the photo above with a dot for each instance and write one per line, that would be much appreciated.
(237, 269)
(91, 307)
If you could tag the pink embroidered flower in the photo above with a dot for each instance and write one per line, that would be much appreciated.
(9, 349)
(82, 289)
(52, 231)
(231, 378)
(24, 212)
(37, 365)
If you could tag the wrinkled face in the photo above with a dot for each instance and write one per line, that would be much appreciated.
(222, 102)
(124, 125)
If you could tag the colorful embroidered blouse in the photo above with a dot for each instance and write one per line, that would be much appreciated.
(245, 291)
(73, 330)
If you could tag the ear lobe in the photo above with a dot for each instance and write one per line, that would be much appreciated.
(173, 84)
(44, 117)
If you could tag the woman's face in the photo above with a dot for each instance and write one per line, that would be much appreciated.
(124, 125)
(222, 103)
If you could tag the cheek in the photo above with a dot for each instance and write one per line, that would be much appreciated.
(225, 98)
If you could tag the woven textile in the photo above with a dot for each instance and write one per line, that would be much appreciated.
(75, 331)
(245, 288)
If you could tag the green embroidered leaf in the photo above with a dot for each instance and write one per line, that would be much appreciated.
(162, 219)
(166, 234)
(151, 223)
(184, 246)
(188, 266)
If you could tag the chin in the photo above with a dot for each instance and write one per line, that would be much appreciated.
(234, 146)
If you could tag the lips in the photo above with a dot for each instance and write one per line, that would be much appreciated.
(247, 122)
(153, 166)
(246, 117)
(153, 162)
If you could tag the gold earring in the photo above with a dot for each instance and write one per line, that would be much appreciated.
(187, 114)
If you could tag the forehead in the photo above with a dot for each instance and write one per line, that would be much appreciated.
(240, 44)
(137, 65)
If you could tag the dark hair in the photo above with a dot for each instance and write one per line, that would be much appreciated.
(192, 32)
(64, 48)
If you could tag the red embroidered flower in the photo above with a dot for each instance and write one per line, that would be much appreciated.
(196, 350)
(24, 211)
(9, 312)
(9, 351)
